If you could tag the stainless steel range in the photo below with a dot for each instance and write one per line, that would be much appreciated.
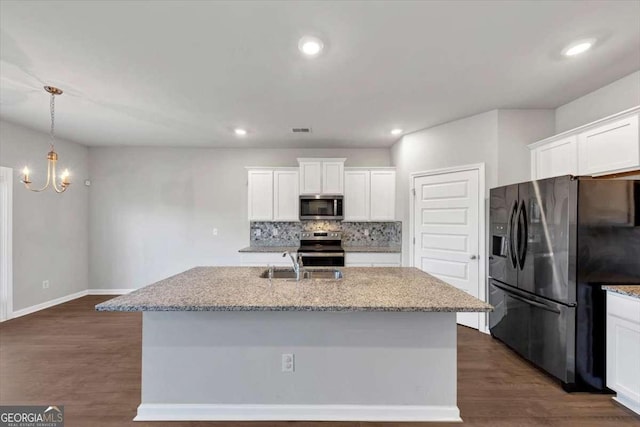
(321, 249)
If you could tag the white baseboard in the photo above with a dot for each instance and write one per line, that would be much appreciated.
(110, 291)
(247, 412)
(47, 304)
(627, 402)
(66, 298)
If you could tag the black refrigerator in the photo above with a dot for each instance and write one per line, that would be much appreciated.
(553, 244)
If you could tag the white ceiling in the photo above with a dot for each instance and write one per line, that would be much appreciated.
(187, 73)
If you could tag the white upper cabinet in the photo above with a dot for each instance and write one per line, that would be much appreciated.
(310, 177)
(321, 176)
(383, 195)
(369, 194)
(557, 158)
(260, 201)
(273, 194)
(607, 146)
(356, 195)
(333, 177)
(286, 195)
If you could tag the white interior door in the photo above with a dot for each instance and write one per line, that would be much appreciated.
(447, 231)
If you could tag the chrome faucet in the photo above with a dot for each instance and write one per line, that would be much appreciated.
(297, 264)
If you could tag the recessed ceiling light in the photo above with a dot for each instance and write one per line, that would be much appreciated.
(578, 48)
(240, 132)
(310, 46)
(396, 131)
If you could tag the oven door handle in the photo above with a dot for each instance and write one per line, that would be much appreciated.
(321, 254)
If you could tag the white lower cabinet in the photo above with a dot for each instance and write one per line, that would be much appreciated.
(262, 259)
(372, 259)
(623, 349)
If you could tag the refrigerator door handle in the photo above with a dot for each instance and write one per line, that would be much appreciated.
(524, 237)
(510, 235)
(517, 235)
(526, 300)
(535, 304)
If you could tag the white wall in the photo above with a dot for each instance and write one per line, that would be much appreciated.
(517, 129)
(497, 138)
(153, 210)
(615, 97)
(50, 231)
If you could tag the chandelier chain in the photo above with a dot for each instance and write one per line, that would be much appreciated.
(52, 108)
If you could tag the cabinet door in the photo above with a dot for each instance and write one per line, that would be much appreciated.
(383, 196)
(623, 346)
(557, 158)
(333, 177)
(260, 195)
(311, 177)
(356, 195)
(286, 197)
(610, 148)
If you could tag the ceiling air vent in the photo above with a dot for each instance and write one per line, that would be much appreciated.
(301, 130)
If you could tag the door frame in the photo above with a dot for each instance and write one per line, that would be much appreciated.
(482, 226)
(6, 243)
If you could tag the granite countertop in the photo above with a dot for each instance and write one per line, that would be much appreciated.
(629, 290)
(388, 249)
(241, 289)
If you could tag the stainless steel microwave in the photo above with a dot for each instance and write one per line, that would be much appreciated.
(321, 207)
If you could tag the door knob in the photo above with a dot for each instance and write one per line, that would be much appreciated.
(473, 257)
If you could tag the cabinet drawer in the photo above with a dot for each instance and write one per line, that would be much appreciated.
(624, 307)
(262, 259)
(372, 259)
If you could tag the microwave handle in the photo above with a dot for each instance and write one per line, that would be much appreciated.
(335, 206)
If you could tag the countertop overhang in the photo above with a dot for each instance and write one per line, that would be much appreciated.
(396, 289)
(628, 290)
(269, 249)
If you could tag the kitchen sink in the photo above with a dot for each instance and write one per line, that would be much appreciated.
(307, 273)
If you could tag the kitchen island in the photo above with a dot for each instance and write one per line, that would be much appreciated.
(222, 343)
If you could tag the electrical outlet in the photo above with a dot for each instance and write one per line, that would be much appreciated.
(366, 231)
(288, 362)
(215, 231)
(275, 231)
(45, 284)
(258, 232)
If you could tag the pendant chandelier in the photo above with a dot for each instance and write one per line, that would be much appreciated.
(52, 156)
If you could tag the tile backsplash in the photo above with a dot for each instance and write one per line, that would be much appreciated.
(353, 233)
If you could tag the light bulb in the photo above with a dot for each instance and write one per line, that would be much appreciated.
(310, 46)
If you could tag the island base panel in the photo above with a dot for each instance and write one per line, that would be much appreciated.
(351, 366)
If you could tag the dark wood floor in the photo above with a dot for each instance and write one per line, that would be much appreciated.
(90, 362)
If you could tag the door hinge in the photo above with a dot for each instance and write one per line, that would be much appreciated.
(413, 190)
(414, 240)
